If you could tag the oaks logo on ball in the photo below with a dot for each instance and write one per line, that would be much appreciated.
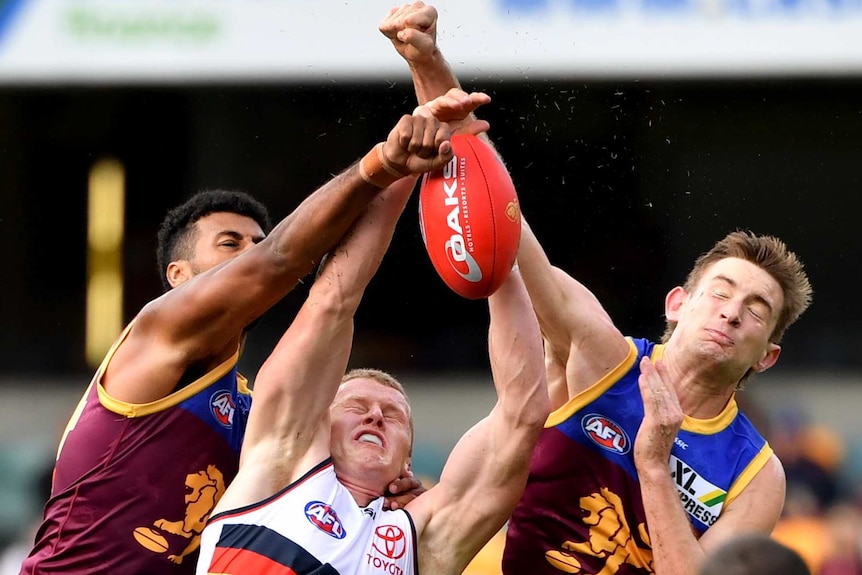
(460, 244)
(605, 433)
(325, 518)
(223, 407)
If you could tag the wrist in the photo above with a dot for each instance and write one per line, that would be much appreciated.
(376, 170)
(652, 471)
(432, 62)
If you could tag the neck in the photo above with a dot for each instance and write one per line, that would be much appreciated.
(363, 494)
(364, 486)
(703, 388)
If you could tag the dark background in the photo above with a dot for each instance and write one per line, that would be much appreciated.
(625, 183)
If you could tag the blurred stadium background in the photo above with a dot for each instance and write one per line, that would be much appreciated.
(637, 132)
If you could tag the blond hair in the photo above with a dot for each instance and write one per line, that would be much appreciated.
(384, 379)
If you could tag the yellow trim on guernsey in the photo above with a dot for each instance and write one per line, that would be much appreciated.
(594, 391)
(715, 425)
(703, 426)
(752, 469)
(139, 409)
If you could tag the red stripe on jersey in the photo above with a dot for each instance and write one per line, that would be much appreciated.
(230, 561)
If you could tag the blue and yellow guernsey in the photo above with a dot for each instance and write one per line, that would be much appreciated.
(582, 510)
(134, 483)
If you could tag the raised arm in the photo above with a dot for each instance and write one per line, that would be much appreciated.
(486, 472)
(198, 325)
(412, 29)
(582, 341)
(288, 428)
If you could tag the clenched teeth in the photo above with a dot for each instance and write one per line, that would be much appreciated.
(371, 438)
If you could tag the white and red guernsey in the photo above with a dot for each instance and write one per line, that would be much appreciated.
(311, 527)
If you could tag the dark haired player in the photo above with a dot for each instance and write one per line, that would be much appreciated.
(155, 439)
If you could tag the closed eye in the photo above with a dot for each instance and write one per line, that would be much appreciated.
(394, 415)
(758, 314)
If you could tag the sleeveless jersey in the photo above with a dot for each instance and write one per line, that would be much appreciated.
(311, 527)
(134, 484)
(582, 510)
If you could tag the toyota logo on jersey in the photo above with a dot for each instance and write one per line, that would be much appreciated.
(389, 541)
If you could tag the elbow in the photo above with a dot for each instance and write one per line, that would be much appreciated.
(540, 406)
(530, 410)
(289, 258)
(331, 299)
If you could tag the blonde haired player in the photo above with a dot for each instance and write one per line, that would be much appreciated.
(320, 451)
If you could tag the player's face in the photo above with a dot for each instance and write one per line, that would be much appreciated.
(222, 236)
(371, 428)
(731, 314)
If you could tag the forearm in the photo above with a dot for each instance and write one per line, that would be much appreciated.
(676, 551)
(546, 294)
(516, 352)
(432, 78)
(298, 380)
(299, 241)
(357, 258)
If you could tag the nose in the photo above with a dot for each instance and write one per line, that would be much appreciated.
(247, 244)
(374, 416)
(732, 313)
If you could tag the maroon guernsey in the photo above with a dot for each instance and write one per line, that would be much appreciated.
(134, 484)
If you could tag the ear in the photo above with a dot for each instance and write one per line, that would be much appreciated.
(673, 303)
(178, 272)
(770, 356)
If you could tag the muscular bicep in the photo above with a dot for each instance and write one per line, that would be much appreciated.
(756, 509)
(478, 489)
(193, 328)
(295, 386)
(581, 339)
(213, 307)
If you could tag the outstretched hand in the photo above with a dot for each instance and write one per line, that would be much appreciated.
(663, 416)
(412, 29)
(421, 143)
(456, 107)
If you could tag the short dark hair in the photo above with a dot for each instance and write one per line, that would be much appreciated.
(176, 230)
(753, 554)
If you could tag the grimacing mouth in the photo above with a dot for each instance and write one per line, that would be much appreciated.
(368, 436)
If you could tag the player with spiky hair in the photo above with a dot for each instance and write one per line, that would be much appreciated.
(646, 463)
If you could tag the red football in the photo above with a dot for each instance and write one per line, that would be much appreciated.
(470, 219)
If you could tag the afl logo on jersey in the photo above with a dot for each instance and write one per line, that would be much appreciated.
(605, 433)
(325, 518)
(223, 408)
